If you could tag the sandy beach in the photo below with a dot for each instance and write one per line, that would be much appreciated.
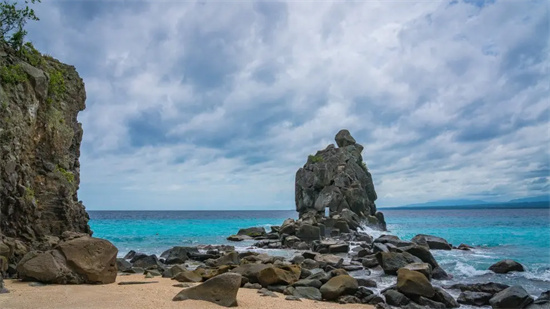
(146, 296)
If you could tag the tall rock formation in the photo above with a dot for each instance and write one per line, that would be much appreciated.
(40, 137)
(337, 179)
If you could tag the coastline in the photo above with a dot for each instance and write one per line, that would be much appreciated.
(147, 296)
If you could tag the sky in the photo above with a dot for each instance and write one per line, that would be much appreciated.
(204, 105)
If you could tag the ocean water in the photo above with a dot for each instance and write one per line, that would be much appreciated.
(522, 234)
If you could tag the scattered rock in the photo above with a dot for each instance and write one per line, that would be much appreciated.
(474, 298)
(279, 275)
(188, 276)
(430, 303)
(178, 254)
(221, 290)
(395, 298)
(432, 242)
(505, 266)
(255, 286)
(490, 287)
(512, 297)
(392, 261)
(413, 283)
(338, 286)
(423, 268)
(307, 292)
(252, 231)
(443, 297)
(266, 292)
(293, 298)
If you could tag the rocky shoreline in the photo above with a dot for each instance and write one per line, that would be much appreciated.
(331, 257)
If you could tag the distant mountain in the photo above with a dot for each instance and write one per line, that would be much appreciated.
(458, 202)
(533, 199)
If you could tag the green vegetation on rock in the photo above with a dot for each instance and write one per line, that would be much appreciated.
(32, 56)
(57, 86)
(314, 159)
(364, 166)
(13, 18)
(12, 74)
(68, 175)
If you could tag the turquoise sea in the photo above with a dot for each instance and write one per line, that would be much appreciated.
(522, 234)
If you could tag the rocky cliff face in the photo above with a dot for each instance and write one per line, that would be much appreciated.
(337, 179)
(39, 147)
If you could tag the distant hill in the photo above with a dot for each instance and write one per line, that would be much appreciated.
(534, 201)
(458, 202)
(540, 198)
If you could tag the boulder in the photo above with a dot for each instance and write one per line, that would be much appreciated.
(413, 283)
(343, 138)
(338, 286)
(279, 275)
(308, 232)
(423, 268)
(422, 253)
(506, 266)
(432, 242)
(490, 287)
(392, 261)
(92, 258)
(474, 298)
(443, 297)
(430, 303)
(512, 297)
(123, 265)
(230, 258)
(188, 276)
(238, 238)
(308, 282)
(178, 254)
(252, 231)
(307, 292)
(395, 298)
(78, 260)
(250, 271)
(146, 261)
(221, 290)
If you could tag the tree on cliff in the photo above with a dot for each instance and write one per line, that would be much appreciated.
(13, 18)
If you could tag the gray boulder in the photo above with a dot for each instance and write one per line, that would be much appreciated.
(413, 283)
(338, 286)
(443, 297)
(178, 255)
(395, 298)
(78, 260)
(432, 242)
(221, 290)
(474, 298)
(506, 266)
(393, 261)
(308, 232)
(307, 292)
(252, 231)
(512, 297)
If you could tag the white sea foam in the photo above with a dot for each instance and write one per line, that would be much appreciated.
(374, 233)
(468, 270)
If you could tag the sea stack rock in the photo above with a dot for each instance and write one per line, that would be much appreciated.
(338, 179)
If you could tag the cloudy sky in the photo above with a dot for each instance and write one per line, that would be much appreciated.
(216, 104)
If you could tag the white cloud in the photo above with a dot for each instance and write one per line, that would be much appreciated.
(450, 101)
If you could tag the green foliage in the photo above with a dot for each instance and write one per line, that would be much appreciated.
(364, 166)
(314, 159)
(57, 87)
(4, 104)
(12, 74)
(68, 175)
(29, 193)
(13, 18)
(32, 55)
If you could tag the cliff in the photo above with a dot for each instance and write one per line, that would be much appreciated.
(40, 138)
